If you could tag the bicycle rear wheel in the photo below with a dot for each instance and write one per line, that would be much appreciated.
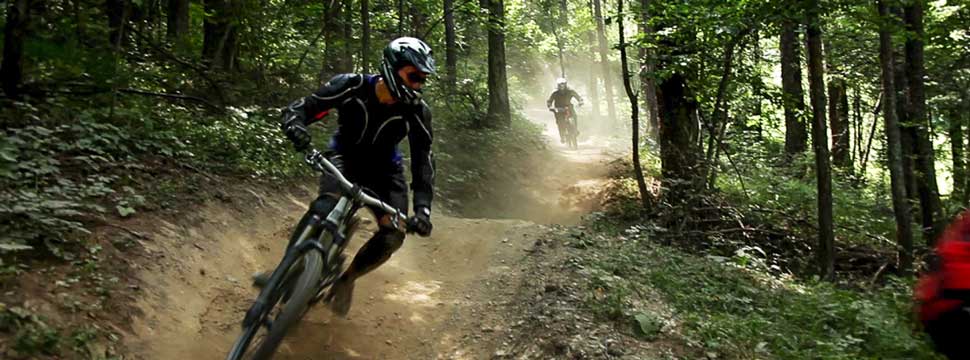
(301, 291)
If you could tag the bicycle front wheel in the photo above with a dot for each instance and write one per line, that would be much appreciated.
(301, 293)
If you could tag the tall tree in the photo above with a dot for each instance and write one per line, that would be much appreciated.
(14, 34)
(118, 12)
(957, 147)
(962, 116)
(178, 20)
(347, 60)
(634, 108)
(825, 252)
(907, 130)
(796, 133)
(499, 110)
(929, 193)
(331, 25)
(839, 118)
(451, 46)
(904, 232)
(680, 151)
(557, 32)
(647, 67)
(364, 36)
(604, 60)
(592, 85)
(220, 34)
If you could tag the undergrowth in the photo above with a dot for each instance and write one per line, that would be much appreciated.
(72, 165)
(735, 307)
(735, 269)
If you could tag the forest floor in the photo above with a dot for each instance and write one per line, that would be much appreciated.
(459, 294)
(539, 264)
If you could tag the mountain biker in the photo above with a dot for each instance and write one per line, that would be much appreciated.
(375, 112)
(943, 294)
(562, 98)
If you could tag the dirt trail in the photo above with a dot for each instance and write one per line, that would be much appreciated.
(431, 300)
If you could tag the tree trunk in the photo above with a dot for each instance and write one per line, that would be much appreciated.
(796, 133)
(635, 111)
(418, 20)
(838, 117)
(364, 36)
(965, 119)
(679, 134)
(592, 86)
(907, 132)
(604, 60)
(400, 17)
(929, 194)
(178, 20)
(15, 31)
(718, 120)
(347, 63)
(826, 239)
(562, 61)
(647, 77)
(904, 232)
(329, 22)
(957, 146)
(117, 11)
(563, 24)
(499, 110)
(451, 47)
(217, 34)
(857, 126)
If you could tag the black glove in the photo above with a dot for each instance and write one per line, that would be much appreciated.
(421, 223)
(297, 133)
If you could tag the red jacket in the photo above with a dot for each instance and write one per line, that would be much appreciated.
(948, 287)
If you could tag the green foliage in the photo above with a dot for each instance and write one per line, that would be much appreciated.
(467, 157)
(744, 312)
(62, 174)
(781, 196)
(31, 335)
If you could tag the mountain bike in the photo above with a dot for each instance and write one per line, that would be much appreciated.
(308, 268)
(569, 132)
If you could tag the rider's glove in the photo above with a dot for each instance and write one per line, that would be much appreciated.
(296, 131)
(580, 103)
(422, 221)
(552, 109)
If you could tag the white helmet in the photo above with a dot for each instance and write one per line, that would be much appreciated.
(561, 83)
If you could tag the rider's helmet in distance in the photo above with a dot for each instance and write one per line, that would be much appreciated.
(402, 52)
(561, 83)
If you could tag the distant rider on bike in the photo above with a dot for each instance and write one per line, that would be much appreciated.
(375, 112)
(562, 99)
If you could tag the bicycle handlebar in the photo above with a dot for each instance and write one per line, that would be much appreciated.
(318, 162)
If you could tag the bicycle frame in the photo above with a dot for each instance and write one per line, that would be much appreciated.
(336, 223)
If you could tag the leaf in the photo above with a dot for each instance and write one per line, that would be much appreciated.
(125, 211)
(14, 247)
(647, 326)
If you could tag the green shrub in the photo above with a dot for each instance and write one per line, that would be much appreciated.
(729, 306)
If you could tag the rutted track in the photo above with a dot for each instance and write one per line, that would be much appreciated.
(431, 300)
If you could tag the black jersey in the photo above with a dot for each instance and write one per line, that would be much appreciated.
(563, 98)
(368, 132)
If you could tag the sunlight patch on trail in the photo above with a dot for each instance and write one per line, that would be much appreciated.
(418, 293)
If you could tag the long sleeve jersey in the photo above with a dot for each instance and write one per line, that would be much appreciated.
(369, 132)
(563, 98)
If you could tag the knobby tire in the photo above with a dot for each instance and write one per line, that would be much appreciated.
(302, 293)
